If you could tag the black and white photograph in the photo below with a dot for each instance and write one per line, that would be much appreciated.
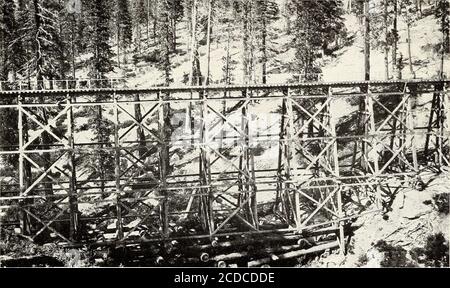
(220, 134)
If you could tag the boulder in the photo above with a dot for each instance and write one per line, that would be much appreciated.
(414, 206)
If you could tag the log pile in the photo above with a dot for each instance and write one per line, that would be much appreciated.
(243, 250)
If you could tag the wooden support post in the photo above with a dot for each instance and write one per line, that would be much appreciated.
(22, 181)
(363, 123)
(119, 223)
(24, 167)
(440, 138)
(282, 162)
(247, 163)
(203, 166)
(332, 125)
(73, 201)
(402, 130)
(207, 169)
(244, 161)
(163, 164)
(372, 131)
(291, 155)
(434, 122)
(254, 200)
(410, 111)
(447, 123)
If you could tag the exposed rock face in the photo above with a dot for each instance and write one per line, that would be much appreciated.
(413, 217)
(412, 204)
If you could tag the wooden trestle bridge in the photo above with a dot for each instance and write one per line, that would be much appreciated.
(319, 165)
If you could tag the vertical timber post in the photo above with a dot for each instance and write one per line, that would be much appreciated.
(207, 195)
(440, 139)
(366, 114)
(284, 169)
(410, 111)
(252, 175)
(292, 160)
(119, 224)
(447, 122)
(372, 134)
(281, 162)
(337, 174)
(434, 122)
(22, 182)
(73, 201)
(24, 168)
(163, 165)
(244, 192)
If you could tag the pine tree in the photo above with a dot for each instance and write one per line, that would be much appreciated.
(66, 31)
(443, 14)
(100, 63)
(317, 24)
(247, 20)
(41, 37)
(229, 64)
(140, 18)
(267, 11)
(99, 17)
(8, 34)
(9, 44)
(176, 13)
(124, 28)
(191, 9)
(409, 12)
(396, 38)
(381, 19)
(47, 45)
(82, 38)
(165, 38)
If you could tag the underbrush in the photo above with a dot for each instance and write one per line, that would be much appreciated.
(435, 253)
(394, 256)
(15, 247)
(441, 202)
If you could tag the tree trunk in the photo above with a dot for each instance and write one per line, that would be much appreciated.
(140, 131)
(413, 74)
(118, 43)
(147, 24)
(174, 26)
(72, 44)
(366, 41)
(193, 41)
(395, 35)
(386, 46)
(101, 154)
(246, 43)
(400, 67)
(208, 43)
(138, 39)
(192, 58)
(264, 48)
(155, 21)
